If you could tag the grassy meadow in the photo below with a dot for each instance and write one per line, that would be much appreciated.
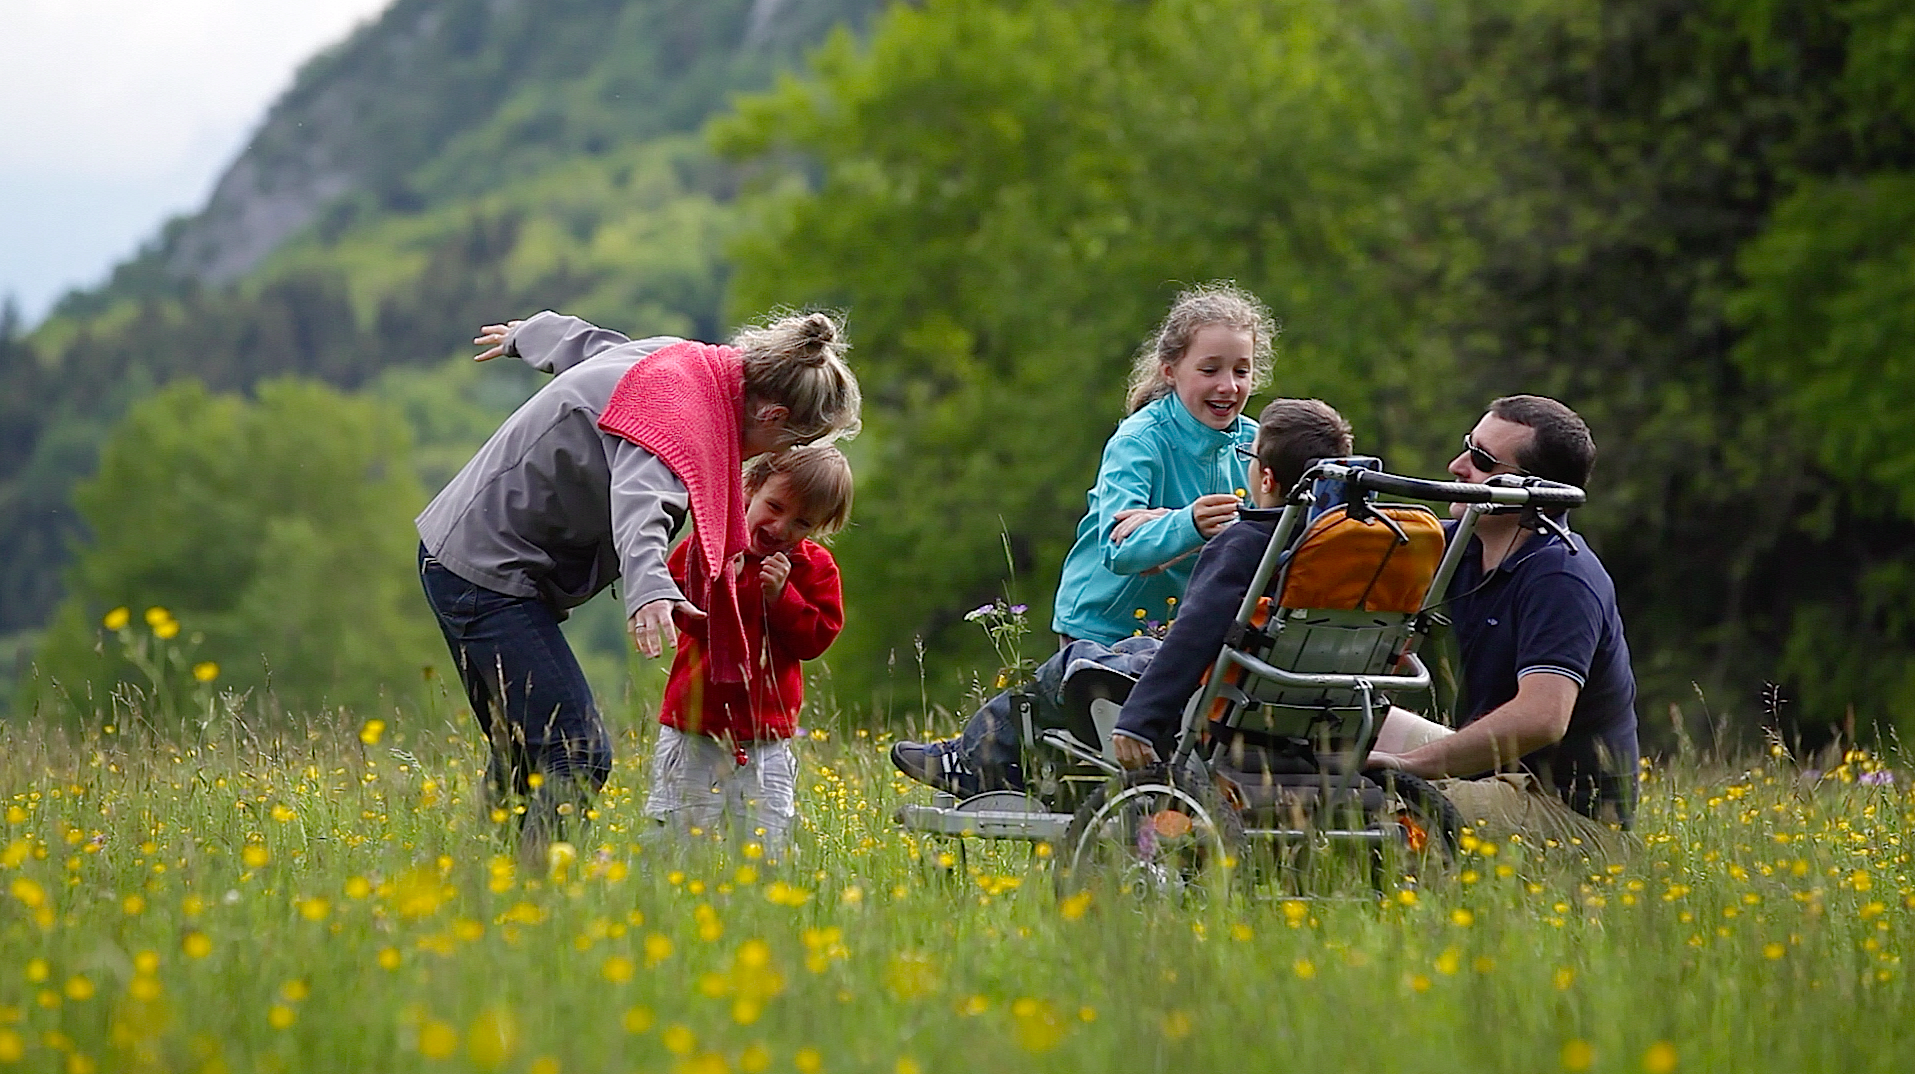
(332, 899)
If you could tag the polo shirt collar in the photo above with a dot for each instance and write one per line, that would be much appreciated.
(1511, 559)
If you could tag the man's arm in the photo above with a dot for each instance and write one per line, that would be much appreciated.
(1536, 717)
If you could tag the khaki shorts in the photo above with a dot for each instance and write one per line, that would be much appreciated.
(1513, 803)
(1516, 803)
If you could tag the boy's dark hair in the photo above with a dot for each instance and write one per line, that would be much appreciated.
(819, 475)
(1292, 433)
(1561, 448)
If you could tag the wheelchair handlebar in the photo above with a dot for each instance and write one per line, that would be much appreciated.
(1503, 489)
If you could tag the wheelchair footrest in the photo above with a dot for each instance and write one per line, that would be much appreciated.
(992, 815)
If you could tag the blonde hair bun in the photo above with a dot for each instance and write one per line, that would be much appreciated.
(796, 360)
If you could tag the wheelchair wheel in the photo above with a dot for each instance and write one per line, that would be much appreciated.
(1152, 834)
(1430, 823)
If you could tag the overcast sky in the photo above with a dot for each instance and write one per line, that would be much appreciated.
(116, 114)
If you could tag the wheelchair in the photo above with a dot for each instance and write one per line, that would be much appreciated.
(1268, 777)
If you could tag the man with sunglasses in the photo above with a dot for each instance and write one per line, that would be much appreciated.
(1546, 684)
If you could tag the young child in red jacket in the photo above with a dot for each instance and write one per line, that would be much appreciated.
(723, 754)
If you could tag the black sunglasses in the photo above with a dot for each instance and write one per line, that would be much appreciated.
(1245, 452)
(1484, 461)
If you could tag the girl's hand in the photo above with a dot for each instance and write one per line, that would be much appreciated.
(492, 338)
(1212, 513)
(653, 623)
(1130, 519)
(772, 574)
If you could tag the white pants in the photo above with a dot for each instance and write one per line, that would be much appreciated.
(697, 783)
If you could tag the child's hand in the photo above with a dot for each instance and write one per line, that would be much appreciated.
(1212, 513)
(492, 337)
(772, 574)
(1133, 754)
(1130, 519)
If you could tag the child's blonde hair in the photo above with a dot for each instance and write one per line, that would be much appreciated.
(819, 475)
(1220, 302)
(797, 361)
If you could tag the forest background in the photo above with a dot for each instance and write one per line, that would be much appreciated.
(1693, 220)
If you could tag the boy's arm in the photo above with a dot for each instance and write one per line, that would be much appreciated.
(1129, 472)
(1210, 604)
(809, 613)
(553, 343)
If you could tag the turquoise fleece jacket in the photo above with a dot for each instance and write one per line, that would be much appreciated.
(1161, 456)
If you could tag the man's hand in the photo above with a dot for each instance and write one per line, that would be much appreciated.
(1538, 716)
(1213, 512)
(772, 574)
(492, 338)
(1133, 754)
(1131, 518)
(1391, 761)
(653, 624)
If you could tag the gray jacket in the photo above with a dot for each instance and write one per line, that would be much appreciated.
(551, 507)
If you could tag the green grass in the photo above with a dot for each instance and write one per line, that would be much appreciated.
(313, 901)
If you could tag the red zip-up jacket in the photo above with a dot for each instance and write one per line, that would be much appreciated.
(800, 625)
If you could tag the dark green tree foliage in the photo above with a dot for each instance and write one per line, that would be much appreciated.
(277, 533)
(1827, 310)
(1619, 160)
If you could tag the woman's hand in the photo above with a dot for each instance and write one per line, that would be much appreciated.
(653, 624)
(1213, 512)
(1133, 754)
(492, 338)
(1130, 519)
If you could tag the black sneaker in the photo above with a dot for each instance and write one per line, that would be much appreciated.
(937, 764)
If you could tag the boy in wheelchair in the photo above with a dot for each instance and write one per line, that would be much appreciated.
(1081, 687)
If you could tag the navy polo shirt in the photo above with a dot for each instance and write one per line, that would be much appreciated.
(1545, 610)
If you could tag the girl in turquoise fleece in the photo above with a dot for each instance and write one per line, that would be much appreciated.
(1171, 476)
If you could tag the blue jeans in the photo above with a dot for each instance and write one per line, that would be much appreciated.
(530, 698)
(992, 742)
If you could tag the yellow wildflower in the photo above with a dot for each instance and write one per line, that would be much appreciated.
(492, 1038)
(437, 1040)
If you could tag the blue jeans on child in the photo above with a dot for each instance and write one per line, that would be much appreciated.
(992, 742)
(530, 697)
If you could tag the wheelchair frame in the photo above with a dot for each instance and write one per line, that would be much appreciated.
(1024, 815)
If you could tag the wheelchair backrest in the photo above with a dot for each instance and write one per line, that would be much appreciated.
(1346, 604)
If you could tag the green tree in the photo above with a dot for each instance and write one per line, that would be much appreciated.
(1685, 218)
(1007, 196)
(276, 532)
